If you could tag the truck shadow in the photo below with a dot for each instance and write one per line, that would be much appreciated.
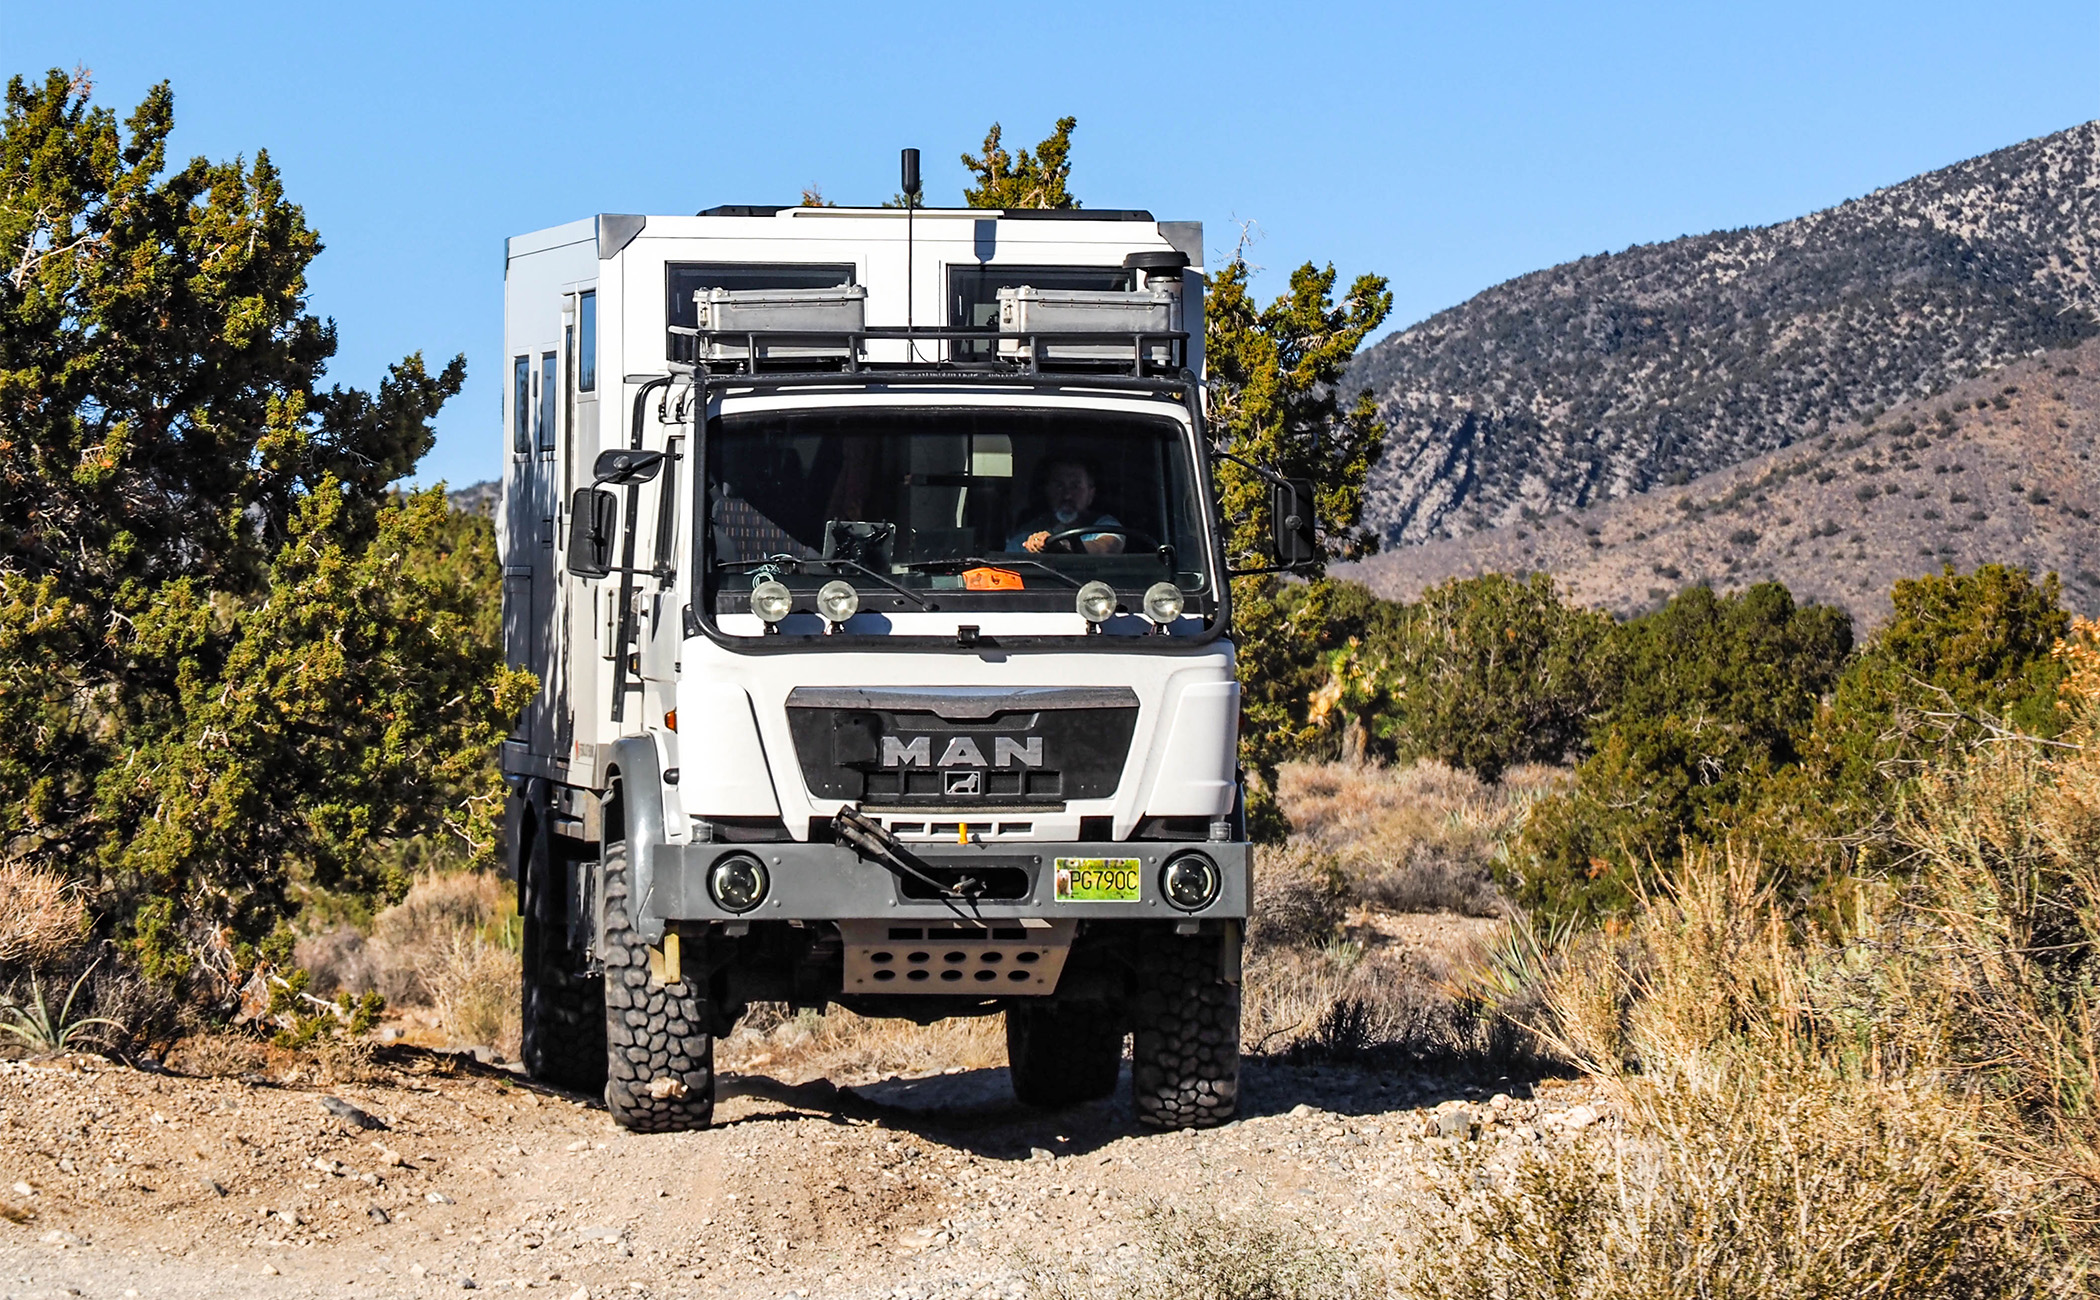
(975, 1110)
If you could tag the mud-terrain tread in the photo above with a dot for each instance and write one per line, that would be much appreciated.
(652, 1031)
(1061, 1054)
(563, 1011)
(1185, 1035)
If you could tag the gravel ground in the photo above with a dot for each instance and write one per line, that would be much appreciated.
(115, 1182)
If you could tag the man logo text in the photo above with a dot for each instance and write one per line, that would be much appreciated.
(962, 751)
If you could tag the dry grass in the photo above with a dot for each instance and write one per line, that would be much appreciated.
(473, 986)
(1897, 1094)
(1421, 838)
(451, 945)
(42, 917)
(1765, 1186)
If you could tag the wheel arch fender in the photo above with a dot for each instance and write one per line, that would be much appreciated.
(634, 815)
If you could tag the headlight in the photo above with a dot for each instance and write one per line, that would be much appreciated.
(738, 882)
(1163, 601)
(771, 600)
(1097, 600)
(1190, 881)
(837, 600)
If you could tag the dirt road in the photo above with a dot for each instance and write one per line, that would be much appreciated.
(117, 1183)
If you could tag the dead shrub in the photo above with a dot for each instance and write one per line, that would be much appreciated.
(416, 936)
(217, 1055)
(1300, 897)
(339, 959)
(43, 918)
(473, 985)
(1434, 878)
(1763, 1185)
(1416, 838)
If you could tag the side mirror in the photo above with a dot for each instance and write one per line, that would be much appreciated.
(1291, 514)
(625, 466)
(594, 516)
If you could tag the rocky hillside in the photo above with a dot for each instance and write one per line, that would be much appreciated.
(1624, 372)
(1997, 469)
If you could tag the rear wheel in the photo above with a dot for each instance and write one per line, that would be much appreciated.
(563, 1010)
(1059, 1054)
(659, 1054)
(1185, 1036)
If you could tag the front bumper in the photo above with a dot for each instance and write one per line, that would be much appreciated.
(829, 882)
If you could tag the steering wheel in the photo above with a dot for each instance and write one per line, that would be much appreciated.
(1132, 538)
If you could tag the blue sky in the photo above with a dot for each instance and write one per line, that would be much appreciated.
(1447, 147)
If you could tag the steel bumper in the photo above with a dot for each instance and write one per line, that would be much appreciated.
(829, 882)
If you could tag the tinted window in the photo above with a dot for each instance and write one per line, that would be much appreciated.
(1099, 494)
(521, 405)
(587, 343)
(548, 396)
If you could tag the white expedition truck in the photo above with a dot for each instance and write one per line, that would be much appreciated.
(870, 566)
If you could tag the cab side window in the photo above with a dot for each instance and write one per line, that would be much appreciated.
(521, 405)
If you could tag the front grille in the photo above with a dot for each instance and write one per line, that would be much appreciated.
(961, 748)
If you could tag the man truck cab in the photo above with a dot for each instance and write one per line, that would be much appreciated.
(846, 694)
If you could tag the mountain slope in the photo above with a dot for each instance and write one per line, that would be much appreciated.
(1998, 469)
(1622, 372)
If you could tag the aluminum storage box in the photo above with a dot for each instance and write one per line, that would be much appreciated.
(1044, 312)
(842, 312)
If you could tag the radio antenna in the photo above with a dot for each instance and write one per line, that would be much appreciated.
(909, 169)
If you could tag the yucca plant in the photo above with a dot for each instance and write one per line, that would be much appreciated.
(36, 1028)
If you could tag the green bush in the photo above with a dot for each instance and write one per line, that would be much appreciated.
(1485, 673)
(1715, 697)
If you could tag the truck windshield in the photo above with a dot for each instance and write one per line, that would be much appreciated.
(929, 499)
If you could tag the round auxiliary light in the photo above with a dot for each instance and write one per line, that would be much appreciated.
(1190, 881)
(1163, 601)
(771, 600)
(738, 882)
(1097, 600)
(837, 600)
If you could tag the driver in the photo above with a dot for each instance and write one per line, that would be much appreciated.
(1068, 491)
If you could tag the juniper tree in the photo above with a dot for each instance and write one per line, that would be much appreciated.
(1025, 180)
(226, 654)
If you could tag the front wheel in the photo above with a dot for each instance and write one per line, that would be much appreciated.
(659, 1055)
(1185, 1036)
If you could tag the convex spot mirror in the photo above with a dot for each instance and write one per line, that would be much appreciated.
(1291, 512)
(625, 466)
(594, 516)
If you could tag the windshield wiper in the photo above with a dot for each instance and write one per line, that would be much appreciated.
(977, 562)
(792, 562)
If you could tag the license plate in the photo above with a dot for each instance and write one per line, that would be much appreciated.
(1097, 880)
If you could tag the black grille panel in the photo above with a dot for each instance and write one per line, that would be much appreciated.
(900, 757)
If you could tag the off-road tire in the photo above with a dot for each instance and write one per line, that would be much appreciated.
(1062, 1054)
(563, 1011)
(659, 1056)
(1185, 1035)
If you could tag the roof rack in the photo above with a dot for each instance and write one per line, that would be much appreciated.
(1024, 353)
(750, 330)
